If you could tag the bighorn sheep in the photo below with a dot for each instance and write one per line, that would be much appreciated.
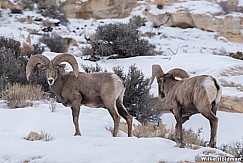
(78, 88)
(199, 94)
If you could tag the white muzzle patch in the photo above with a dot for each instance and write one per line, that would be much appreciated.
(50, 80)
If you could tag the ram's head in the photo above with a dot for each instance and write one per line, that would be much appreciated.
(52, 68)
(162, 77)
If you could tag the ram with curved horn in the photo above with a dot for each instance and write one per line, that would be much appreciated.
(188, 96)
(78, 88)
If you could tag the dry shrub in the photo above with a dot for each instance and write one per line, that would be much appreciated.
(52, 104)
(191, 138)
(237, 55)
(150, 130)
(26, 49)
(44, 136)
(234, 148)
(56, 43)
(19, 96)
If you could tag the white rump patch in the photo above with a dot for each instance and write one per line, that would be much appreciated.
(211, 89)
(118, 85)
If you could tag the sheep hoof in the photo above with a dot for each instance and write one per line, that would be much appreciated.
(77, 134)
(212, 145)
(182, 145)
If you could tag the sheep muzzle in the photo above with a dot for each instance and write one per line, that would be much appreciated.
(50, 80)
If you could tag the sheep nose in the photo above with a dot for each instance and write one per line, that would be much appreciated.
(50, 81)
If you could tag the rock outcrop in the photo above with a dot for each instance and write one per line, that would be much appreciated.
(101, 9)
(6, 4)
(214, 20)
(233, 104)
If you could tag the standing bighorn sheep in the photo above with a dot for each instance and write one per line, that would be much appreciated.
(78, 88)
(199, 94)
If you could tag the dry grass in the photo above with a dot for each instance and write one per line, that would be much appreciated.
(234, 148)
(19, 96)
(26, 49)
(52, 104)
(191, 138)
(150, 130)
(44, 136)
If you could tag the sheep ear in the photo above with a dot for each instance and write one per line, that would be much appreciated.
(61, 68)
(41, 66)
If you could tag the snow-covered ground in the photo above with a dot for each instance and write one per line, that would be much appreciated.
(95, 145)
(195, 54)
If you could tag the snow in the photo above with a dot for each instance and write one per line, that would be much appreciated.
(192, 6)
(196, 51)
(226, 123)
(95, 144)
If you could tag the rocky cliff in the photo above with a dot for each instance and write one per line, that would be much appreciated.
(101, 9)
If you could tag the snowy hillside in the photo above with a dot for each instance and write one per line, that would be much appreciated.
(196, 51)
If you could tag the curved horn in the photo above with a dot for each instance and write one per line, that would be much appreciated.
(177, 72)
(156, 72)
(67, 58)
(39, 58)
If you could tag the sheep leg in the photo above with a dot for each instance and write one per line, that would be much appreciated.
(214, 127)
(75, 113)
(116, 118)
(123, 112)
(178, 127)
(213, 120)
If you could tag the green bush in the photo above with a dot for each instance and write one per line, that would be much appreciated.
(137, 97)
(10, 43)
(13, 63)
(91, 68)
(118, 41)
(237, 55)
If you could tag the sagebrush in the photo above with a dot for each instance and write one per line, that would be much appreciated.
(56, 43)
(118, 41)
(13, 61)
(19, 96)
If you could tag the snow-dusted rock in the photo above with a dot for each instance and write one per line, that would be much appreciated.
(98, 9)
